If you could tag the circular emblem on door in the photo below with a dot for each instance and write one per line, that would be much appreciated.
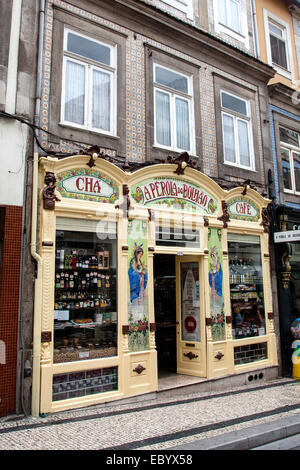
(190, 324)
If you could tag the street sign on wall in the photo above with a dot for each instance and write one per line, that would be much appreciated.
(288, 236)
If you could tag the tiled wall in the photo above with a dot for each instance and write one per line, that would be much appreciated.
(136, 92)
(9, 306)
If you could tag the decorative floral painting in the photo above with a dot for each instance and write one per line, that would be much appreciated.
(138, 280)
(215, 265)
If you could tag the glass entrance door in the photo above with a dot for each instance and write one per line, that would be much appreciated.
(190, 330)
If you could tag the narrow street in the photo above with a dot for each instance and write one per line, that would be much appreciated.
(161, 423)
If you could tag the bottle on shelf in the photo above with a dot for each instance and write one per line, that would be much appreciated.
(62, 259)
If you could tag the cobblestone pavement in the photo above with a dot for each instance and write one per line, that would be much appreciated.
(155, 424)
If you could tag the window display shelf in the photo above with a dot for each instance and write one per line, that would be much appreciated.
(85, 304)
(73, 324)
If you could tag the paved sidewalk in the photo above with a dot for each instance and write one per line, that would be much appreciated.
(260, 436)
(157, 424)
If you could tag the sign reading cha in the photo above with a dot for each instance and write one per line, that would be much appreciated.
(173, 194)
(81, 183)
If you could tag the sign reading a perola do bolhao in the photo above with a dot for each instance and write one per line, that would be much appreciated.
(242, 209)
(172, 193)
(88, 185)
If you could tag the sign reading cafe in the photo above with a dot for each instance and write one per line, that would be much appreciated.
(172, 193)
(243, 209)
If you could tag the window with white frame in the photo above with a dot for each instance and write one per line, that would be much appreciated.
(278, 44)
(89, 84)
(237, 131)
(290, 159)
(229, 14)
(173, 110)
(186, 6)
(230, 17)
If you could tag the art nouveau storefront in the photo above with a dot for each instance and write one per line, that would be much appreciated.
(125, 258)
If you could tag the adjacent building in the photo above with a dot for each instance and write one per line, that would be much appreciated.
(278, 39)
(18, 34)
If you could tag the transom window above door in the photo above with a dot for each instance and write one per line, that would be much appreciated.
(237, 131)
(89, 84)
(173, 109)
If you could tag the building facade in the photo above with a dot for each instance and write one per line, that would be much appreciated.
(19, 30)
(149, 221)
(278, 32)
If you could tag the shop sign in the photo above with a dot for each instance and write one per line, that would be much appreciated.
(87, 184)
(171, 193)
(288, 236)
(242, 209)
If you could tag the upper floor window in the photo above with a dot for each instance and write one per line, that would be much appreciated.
(231, 20)
(278, 44)
(237, 131)
(229, 14)
(173, 109)
(89, 84)
(290, 159)
(186, 6)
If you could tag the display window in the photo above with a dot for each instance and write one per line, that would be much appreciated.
(85, 304)
(246, 286)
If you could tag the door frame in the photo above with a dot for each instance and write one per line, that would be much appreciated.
(191, 355)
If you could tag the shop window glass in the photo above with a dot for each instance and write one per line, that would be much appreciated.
(85, 304)
(250, 353)
(80, 384)
(246, 286)
(174, 236)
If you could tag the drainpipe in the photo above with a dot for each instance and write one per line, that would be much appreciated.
(37, 320)
(255, 30)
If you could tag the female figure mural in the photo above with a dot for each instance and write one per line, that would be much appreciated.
(216, 294)
(138, 282)
(215, 275)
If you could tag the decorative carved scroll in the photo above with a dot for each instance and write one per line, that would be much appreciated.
(46, 337)
(219, 355)
(225, 218)
(182, 160)
(190, 355)
(139, 369)
(206, 221)
(49, 196)
(286, 268)
(265, 220)
(125, 329)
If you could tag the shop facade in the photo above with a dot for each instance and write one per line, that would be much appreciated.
(159, 269)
